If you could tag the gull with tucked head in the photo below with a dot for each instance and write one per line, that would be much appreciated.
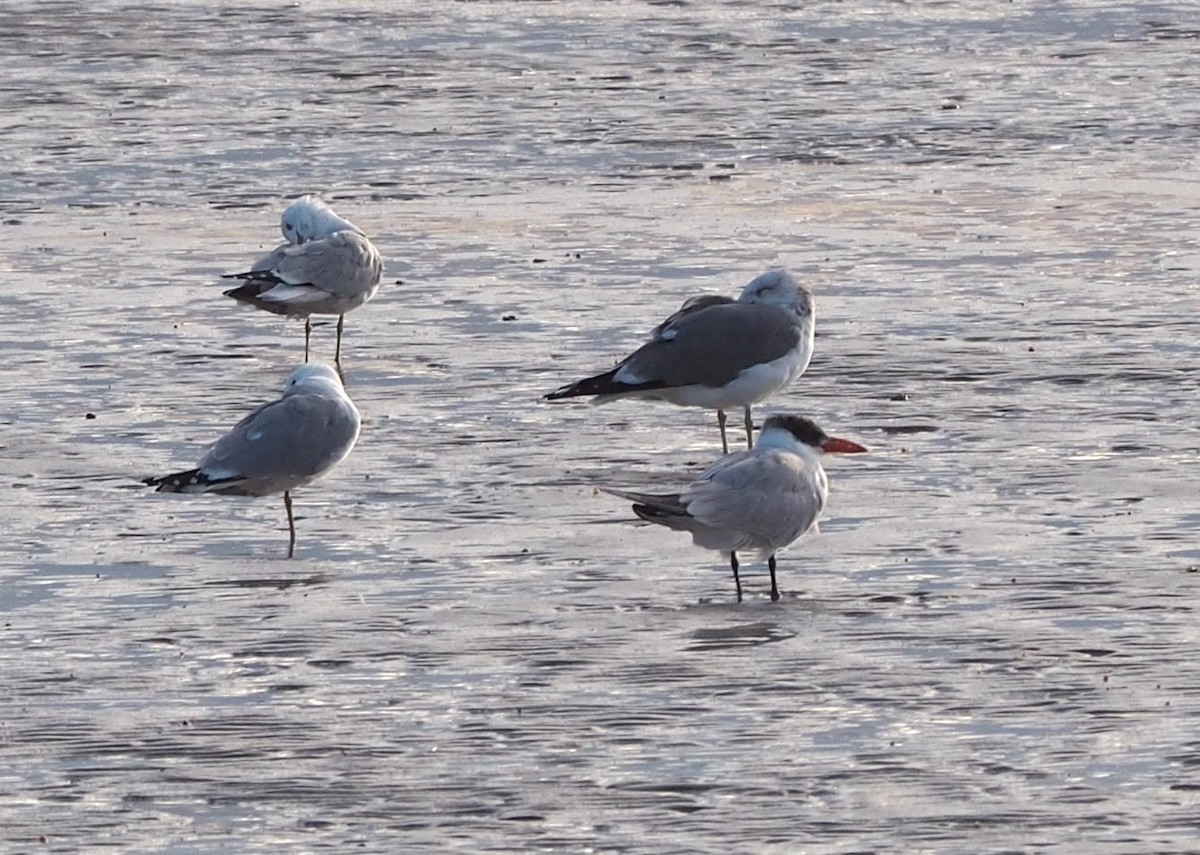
(717, 353)
(326, 267)
(308, 218)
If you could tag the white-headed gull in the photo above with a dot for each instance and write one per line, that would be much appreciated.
(308, 218)
(718, 353)
(280, 446)
(328, 267)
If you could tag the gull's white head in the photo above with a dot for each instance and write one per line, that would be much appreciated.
(312, 375)
(780, 288)
(308, 218)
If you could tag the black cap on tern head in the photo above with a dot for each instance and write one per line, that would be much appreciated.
(807, 432)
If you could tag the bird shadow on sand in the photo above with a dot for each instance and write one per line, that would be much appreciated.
(751, 634)
(278, 582)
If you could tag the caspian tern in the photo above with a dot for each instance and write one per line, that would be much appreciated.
(764, 498)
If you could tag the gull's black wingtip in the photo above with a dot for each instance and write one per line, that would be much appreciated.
(249, 292)
(253, 276)
(601, 384)
(559, 394)
(177, 482)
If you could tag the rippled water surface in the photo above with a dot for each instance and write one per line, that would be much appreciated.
(990, 646)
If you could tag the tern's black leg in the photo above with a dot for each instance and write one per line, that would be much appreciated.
(733, 562)
(287, 503)
(774, 587)
(749, 429)
(307, 333)
(337, 354)
(721, 423)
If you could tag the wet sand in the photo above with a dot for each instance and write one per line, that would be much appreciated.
(988, 647)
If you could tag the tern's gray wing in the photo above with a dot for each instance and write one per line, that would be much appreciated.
(345, 264)
(771, 496)
(667, 502)
(284, 443)
(711, 346)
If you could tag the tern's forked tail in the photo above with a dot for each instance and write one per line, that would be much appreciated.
(652, 507)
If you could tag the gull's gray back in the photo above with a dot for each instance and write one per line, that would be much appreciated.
(286, 443)
(345, 264)
(272, 259)
(712, 345)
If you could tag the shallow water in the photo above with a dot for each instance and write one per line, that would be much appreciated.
(988, 648)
